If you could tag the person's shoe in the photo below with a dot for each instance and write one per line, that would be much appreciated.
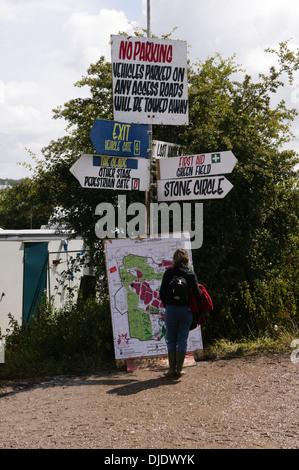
(171, 363)
(180, 357)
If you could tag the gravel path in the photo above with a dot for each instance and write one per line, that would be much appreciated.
(248, 403)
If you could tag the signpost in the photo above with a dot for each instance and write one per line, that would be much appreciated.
(149, 80)
(104, 172)
(120, 139)
(191, 166)
(214, 187)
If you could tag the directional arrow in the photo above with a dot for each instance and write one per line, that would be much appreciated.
(215, 187)
(192, 166)
(104, 172)
(119, 138)
(166, 149)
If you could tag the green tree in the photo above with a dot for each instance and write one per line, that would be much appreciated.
(24, 205)
(53, 170)
(249, 236)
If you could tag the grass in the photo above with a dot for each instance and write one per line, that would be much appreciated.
(224, 349)
(78, 339)
(221, 349)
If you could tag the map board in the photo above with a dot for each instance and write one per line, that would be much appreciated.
(135, 269)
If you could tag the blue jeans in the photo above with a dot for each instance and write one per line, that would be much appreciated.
(177, 321)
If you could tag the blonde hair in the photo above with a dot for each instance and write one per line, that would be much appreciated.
(180, 256)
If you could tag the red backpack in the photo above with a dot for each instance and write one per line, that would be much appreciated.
(198, 309)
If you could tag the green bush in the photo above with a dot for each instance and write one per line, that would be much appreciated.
(252, 311)
(75, 338)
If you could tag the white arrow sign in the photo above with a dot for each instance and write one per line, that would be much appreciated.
(166, 149)
(192, 166)
(215, 187)
(106, 172)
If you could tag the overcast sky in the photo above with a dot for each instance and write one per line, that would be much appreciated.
(46, 46)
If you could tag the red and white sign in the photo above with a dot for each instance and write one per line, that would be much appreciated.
(194, 166)
(149, 80)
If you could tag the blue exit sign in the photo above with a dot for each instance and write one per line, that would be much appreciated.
(120, 138)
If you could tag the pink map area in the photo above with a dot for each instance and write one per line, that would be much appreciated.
(149, 297)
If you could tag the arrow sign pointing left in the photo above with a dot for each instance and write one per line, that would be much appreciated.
(104, 172)
(120, 139)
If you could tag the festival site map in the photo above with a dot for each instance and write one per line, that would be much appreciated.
(135, 269)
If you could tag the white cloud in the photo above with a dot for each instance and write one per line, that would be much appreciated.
(46, 46)
(11, 12)
(17, 114)
(2, 92)
(258, 61)
(228, 27)
(25, 122)
(26, 105)
(19, 119)
(90, 34)
(23, 11)
(23, 91)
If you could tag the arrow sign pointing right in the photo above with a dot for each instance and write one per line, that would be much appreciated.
(214, 187)
(191, 166)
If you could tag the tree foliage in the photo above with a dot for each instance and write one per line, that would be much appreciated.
(250, 247)
(25, 205)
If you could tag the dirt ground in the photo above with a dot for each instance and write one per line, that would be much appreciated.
(246, 403)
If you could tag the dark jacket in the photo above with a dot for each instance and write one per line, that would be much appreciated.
(184, 271)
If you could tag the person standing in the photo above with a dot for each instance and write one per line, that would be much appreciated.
(174, 293)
